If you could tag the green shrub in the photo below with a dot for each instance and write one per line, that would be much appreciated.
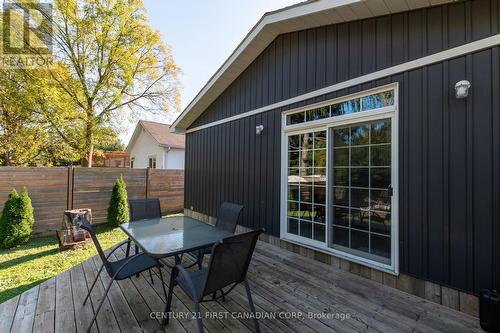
(16, 223)
(118, 205)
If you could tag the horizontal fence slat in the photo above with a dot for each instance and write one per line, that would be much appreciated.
(50, 190)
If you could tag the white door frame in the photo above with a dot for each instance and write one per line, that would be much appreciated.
(326, 124)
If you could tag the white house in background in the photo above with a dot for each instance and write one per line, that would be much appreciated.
(153, 145)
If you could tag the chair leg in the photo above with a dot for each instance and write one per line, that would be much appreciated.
(162, 282)
(151, 276)
(100, 304)
(198, 317)
(200, 260)
(137, 251)
(168, 305)
(127, 251)
(252, 306)
(93, 284)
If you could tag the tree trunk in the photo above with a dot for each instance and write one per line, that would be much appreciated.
(7, 160)
(89, 144)
(90, 154)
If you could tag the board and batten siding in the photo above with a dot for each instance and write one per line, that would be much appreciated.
(449, 149)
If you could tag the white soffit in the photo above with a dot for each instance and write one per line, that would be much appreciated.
(305, 15)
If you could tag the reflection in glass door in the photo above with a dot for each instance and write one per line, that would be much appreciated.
(361, 190)
(306, 204)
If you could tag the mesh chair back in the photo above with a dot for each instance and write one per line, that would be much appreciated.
(229, 261)
(85, 224)
(228, 215)
(144, 209)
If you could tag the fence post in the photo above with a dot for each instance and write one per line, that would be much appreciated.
(71, 180)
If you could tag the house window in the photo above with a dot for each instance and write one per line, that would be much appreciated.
(152, 162)
(340, 178)
(345, 107)
(132, 162)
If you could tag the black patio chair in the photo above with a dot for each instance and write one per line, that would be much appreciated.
(227, 219)
(120, 269)
(141, 209)
(227, 268)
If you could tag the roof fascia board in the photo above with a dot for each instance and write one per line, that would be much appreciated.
(133, 139)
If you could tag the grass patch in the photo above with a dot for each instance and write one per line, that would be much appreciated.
(27, 265)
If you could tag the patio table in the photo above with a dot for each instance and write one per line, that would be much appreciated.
(172, 236)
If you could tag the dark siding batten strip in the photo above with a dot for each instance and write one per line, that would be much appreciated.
(482, 171)
(496, 163)
(470, 179)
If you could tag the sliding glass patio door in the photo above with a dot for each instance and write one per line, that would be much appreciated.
(340, 178)
(361, 190)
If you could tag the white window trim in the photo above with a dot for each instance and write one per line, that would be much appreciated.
(327, 123)
(155, 161)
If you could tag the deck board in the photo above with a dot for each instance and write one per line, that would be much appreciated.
(83, 313)
(281, 281)
(65, 311)
(25, 312)
(45, 308)
(7, 313)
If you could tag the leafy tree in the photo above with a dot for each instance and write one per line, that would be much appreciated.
(26, 138)
(111, 60)
(111, 145)
(17, 220)
(108, 62)
(118, 211)
(19, 134)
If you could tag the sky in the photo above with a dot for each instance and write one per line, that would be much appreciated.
(202, 35)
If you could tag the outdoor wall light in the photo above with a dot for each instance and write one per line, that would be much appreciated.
(259, 129)
(462, 89)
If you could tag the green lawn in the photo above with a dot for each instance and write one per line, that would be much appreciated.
(26, 266)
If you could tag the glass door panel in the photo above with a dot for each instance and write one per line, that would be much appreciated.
(306, 185)
(361, 194)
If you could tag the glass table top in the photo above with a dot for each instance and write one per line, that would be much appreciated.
(164, 237)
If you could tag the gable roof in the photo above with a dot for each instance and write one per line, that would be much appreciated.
(160, 132)
(305, 15)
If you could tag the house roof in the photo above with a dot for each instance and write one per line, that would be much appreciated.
(160, 132)
(308, 14)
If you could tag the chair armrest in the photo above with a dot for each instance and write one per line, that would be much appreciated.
(129, 259)
(117, 246)
(180, 270)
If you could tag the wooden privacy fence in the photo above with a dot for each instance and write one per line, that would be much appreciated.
(53, 190)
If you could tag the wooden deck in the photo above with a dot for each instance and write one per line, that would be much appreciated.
(284, 284)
